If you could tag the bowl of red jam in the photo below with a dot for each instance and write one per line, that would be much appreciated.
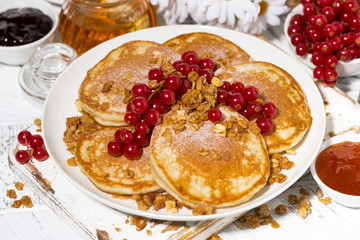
(24, 26)
(336, 169)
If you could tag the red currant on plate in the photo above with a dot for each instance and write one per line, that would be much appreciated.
(265, 124)
(214, 115)
(115, 148)
(132, 151)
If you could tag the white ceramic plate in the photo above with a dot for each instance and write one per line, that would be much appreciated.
(60, 104)
(343, 69)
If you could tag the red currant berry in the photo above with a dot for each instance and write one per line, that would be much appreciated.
(269, 109)
(208, 73)
(36, 141)
(330, 74)
(325, 48)
(294, 29)
(318, 73)
(265, 124)
(343, 54)
(354, 22)
(245, 112)
(142, 128)
(153, 117)
(351, 6)
(40, 154)
(24, 137)
(226, 86)
(329, 13)
(117, 134)
(140, 105)
(128, 107)
(131, 118)
(335, 43)
(331, 61)
(330, 83)
(236, 101)
(156, 74)
(301, 49)
(167, 96)
(155, 103)
(324, 3)
(206, 63)
(297, 19)
(172, 82)
(309, 9)
(338, 5)
(237, 87)
(353, 51)
(114, 148)
(330, 31)
(214, 115)
(132, 151)
(176, 63)
(183, 68)
(186, 85)
(254, 108)
(191, 58)
(22, 156)
(316, 36)
(339, 27)
(297, 38)
(317, 59)
(126, 136)
(141, 89)
(320, 21)
(195, 68)
(142, 140)
(222, 96)
(356, 39)
(250, 93)
(346, 39)
(184, 55)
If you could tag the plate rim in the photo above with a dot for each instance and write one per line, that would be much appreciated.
(181, 29)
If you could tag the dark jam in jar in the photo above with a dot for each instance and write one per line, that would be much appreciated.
(338, 166)
(19, 26)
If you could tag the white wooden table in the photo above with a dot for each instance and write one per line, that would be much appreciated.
(17, 112)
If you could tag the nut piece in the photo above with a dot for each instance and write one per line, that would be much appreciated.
(71, 162)
(11, 193)
(217, 82)
(304, 192)
(280, 209)
(220, 129)
(139, 222)
(319, 193)
(275, 224)
(16, 204)
(26, 201)
(203, 152)
(19, 186)
(202, 208)
(107, 86)
(325, 200)
(293, 199)
(170, 206)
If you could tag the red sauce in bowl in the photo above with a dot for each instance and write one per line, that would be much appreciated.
(338, 166)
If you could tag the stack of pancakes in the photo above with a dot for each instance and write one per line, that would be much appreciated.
(194, 166)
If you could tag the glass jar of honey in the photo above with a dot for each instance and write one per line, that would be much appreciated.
(87, 23)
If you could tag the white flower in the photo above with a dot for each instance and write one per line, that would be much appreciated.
(268, 12)
(174, 11)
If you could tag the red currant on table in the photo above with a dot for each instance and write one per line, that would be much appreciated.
(40, 154)
(36, 141)
(214, 115)
(132, 151)
(24, 137)
(22, 156)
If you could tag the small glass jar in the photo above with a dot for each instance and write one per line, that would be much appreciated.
(87, 23)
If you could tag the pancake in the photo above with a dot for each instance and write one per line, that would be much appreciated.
(274, 84)
(205, 166)
(209, 45)
(115, 175)
(103, 90)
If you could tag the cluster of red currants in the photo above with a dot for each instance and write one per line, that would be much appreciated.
(35, 142)
(330, 31)
(146, 109)
(243, 99)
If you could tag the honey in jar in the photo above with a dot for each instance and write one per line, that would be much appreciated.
(87, 23)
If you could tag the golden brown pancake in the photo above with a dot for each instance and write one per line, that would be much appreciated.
(116, 175)
(205, 165)
(102, 92)
(209, 45)
(274, 84)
